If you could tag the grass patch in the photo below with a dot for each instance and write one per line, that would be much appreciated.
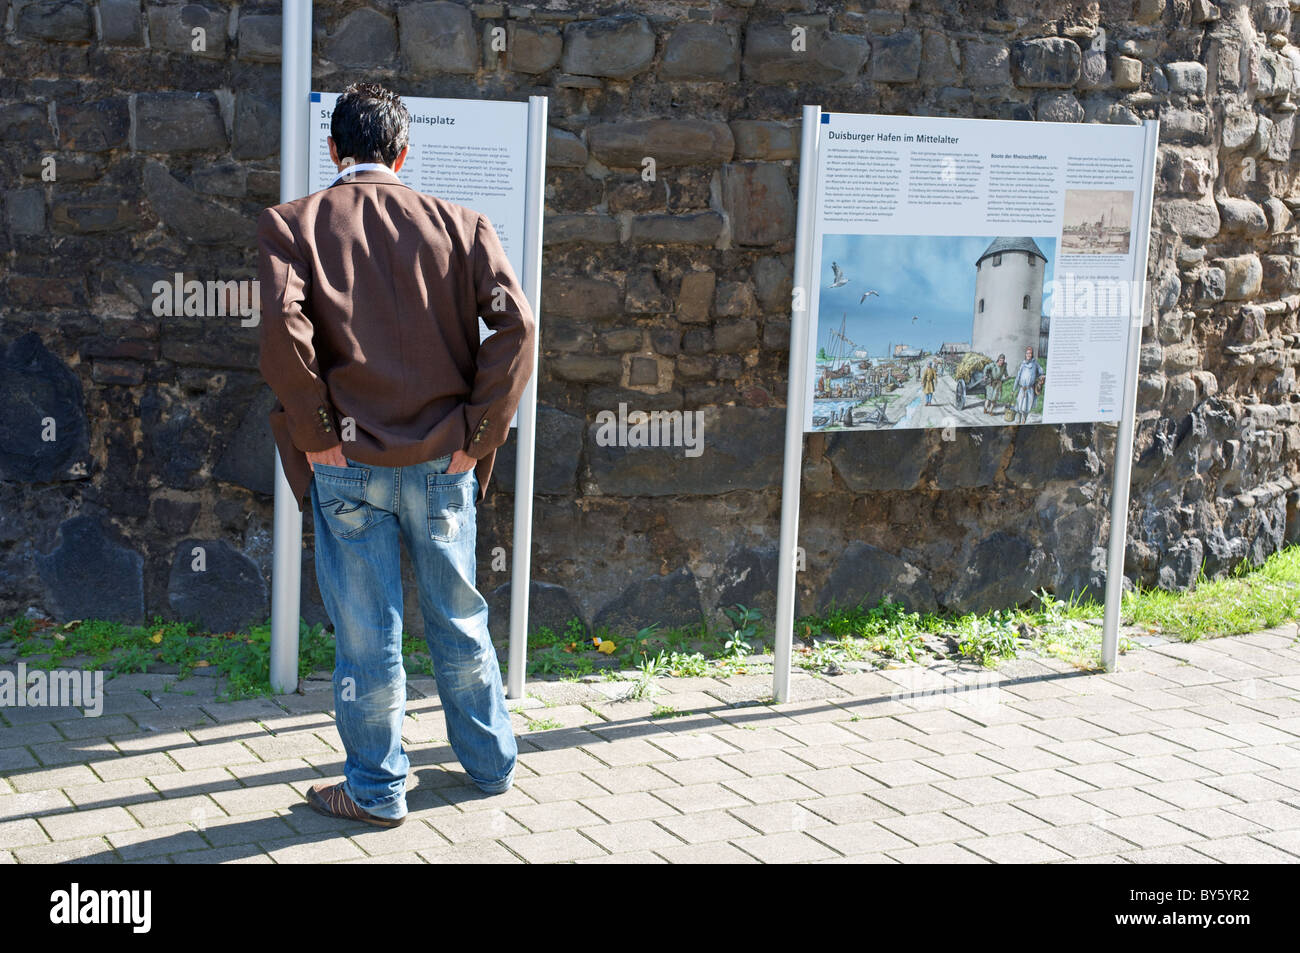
(830, 642)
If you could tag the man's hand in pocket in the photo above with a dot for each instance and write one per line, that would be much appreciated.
(333, 457)
(460, 462)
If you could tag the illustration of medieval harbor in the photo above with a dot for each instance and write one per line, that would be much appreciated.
(1097, 221)
(931, 331)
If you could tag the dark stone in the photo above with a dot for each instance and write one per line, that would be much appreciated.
(27, 123)
(172, 26)
(94, 127)
(221, 178)
(174, 517)
(757, 197)
(97, 211)
(532, 49)
(438, 38)
(555, 461)
(670, 142)
(1042, 455)
(999, 573)
(643, 372)
(365, 38)
(549, 606)
(699, 228)
(572, 229)
(179, 122)
(257, 127)
(1049, 61)
(618, 46)
(749, 577)
(564, 150)
(249, 458)
(765, 139)
(973, 458)
(580, 298)
(260, 35)
(741, 450)
(59, 21)
(701, 51)
(37, 386)
(1059, 107)
(227, 595)
(197, 219)
(93, 575)
(896, 58)
(587, 368)
(829, 57)
(672, 600)
(773, 284)
(881, 460)
(175, 445)
(121, 23)
(644, 295)
(1181, 564)
(866, 575)
(25, 211)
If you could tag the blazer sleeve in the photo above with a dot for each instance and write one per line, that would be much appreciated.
(506, 358)
(288, 355)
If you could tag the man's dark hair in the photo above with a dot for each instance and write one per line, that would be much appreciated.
(370, 124)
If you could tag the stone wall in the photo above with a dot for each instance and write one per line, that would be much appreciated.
(130, 442)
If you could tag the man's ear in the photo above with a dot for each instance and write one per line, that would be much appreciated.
(334, 150)
(401, 158)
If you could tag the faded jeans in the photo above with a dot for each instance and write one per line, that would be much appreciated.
(361, 512)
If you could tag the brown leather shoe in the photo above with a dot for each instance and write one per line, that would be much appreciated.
(332, 801)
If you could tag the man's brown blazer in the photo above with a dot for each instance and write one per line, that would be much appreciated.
(371, 294)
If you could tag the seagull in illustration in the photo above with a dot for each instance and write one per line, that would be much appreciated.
(866, 294)
(840, 281)
(914, 317)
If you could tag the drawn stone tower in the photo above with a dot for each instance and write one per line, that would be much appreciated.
(1009, 300)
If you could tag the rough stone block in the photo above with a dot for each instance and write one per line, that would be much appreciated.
(1050, 61)
(701, 51)
(438, 38)
(618, 47)
(757, 196)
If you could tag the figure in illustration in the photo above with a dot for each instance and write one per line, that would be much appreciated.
(995, 372)
(928, 380)
(1027, 382)
(840, 280)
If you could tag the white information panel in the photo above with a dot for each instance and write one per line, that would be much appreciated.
(468, 151)
(971, 272)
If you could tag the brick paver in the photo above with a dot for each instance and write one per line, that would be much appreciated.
(1190, 754)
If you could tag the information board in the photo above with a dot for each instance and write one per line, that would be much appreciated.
(971, 272)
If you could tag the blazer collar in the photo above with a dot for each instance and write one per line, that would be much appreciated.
(370, 175)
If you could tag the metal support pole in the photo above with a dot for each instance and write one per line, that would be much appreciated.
(794, 405)
(526, 435)
(286, 571)
(1119, 490)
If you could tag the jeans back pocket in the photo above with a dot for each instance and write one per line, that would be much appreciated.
(450, 501)
(341, 493)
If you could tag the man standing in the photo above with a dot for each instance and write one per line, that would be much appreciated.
(928, 378)
(1027, 378)
(995, 372)
(371, 297)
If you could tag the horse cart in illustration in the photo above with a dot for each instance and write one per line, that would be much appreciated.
(971, 381)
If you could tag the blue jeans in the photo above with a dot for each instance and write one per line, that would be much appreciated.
(361, 512)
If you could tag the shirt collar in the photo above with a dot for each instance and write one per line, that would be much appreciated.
(364, 167)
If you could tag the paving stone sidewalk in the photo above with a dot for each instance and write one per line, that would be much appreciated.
(1189, 754)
